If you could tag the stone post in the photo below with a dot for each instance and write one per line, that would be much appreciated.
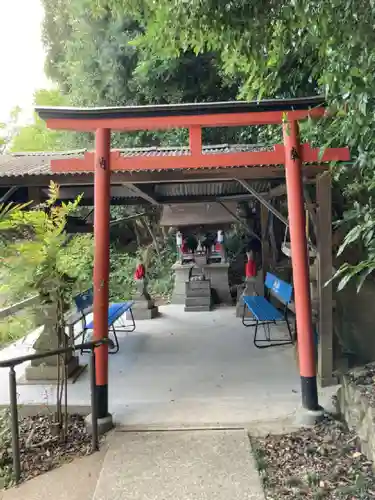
(47, 369)
(144, 306)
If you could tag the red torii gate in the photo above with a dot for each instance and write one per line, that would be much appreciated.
(195, 117)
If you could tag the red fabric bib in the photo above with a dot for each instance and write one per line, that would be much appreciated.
(250, 269)
(140, 272)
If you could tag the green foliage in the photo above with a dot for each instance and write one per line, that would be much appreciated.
(17, 326)
(121, 283)
(36, 136)
(43, 258)
(6, 469)
(116, 52)
(361, 219)
(8, 129)
(285, 49)
(158, 270)
(91, 55)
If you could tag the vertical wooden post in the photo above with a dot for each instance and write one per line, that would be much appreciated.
(101, 263)
(324, 243)
(266, 258)
(300, 263)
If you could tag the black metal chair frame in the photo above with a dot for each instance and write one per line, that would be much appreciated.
(253, 322)
(123, 327)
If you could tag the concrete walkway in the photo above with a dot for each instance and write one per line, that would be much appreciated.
(199, 465)
(183, 370)
(174, 465)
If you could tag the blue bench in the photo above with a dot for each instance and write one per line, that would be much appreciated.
(265, 314)
(116, 312)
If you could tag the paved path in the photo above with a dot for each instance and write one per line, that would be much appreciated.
(188, 465)
(205, 362)
(182, 370)
(173, 465)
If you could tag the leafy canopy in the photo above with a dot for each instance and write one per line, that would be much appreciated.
(36, 136)
(92, 57)
(280, 48)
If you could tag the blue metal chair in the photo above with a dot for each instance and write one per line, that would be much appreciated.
(84, 303)
(265, 314)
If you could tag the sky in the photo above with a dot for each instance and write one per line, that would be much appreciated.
(21, 56)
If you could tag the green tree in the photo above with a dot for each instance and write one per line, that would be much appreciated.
(36, 136)
(41, 258)
(8, 130)
(100, 65)
(280, 48)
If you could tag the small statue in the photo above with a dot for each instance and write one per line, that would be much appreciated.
(219, 247)
(250, 268)
(140, 282)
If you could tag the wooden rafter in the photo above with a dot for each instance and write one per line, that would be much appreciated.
(263, 201)
(142, 194)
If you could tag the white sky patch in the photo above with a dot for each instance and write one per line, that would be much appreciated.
(21, 56)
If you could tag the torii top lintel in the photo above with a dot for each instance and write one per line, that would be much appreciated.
(193, 116)
(151, 117)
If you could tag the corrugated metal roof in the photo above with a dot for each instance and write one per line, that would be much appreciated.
(226, 188)
(25, 164)
(19, 164)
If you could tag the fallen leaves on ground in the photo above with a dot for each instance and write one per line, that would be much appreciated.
(42, 448)
(322, 462)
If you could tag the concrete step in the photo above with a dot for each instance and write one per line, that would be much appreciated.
(196, 294)
(197, 308)
(197, 285)
(179, 465)
(197, 301)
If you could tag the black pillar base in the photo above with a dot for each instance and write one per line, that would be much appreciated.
(309, 393)
(101, 400)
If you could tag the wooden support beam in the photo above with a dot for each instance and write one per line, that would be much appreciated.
(324, 237)
(8, 194)
(280, 190)
(266, 251)
(142, 194)
(275, 192)
(263, 202)
(138, 177)
(311, 209)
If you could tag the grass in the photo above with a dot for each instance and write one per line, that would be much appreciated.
(17, 326)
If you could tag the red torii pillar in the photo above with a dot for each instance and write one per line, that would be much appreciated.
(300, 264)
(102, 199)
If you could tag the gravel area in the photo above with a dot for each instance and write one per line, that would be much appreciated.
(323, 462)
(41, 447)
